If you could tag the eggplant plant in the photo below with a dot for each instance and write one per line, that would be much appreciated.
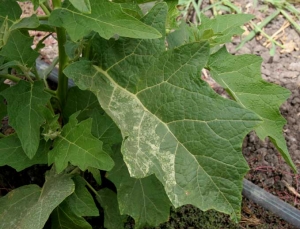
(139, 116)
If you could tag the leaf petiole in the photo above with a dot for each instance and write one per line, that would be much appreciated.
(10, 77)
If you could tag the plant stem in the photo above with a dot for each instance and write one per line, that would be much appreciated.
(74, 171)
(50, 91)
(91, 187)
(10, 77)
(45, 9)
(63, 60)
(43, 17)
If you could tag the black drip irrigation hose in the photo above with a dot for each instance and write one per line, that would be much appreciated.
(250, 190)
(53, 76)
(271, 203)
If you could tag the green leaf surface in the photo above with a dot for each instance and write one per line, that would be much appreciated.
(10, 13)
(112, 217)
(84, 101)
(131, 8)
(240, 75)
(3, 107)
(106, 18)
(225, 26)
(77, 145)
(18, 48)
(143, 199)
(73, 49)
(81, 202)
(63, 217)
(216, 31)
(96, 174)
(27, 22)
(30, 206)
(12, 154)
(25, 104)
(69, 213)
(51, 128)
(82, 5)
(105, 129)
(4, 32)
(173, 124)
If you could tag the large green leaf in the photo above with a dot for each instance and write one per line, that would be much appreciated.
(25, 104)
(173, 124)
(105, 129)
(112, 217)
(241, 77)
(106, 18)
(18, 48)
(30, 206)
(80, 203)
(79, 100)
(77, 145)
(143, 199)
(12, 154)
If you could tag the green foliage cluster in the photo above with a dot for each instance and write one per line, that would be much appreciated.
(139, 118)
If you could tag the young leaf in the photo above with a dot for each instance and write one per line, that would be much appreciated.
(82, 5)
(173, 124)
(30, 206)
(112, 217)
(18, 48)
(240, 75)
(25, 104)
(12, 154)
(143, 199)
(77, 145)
(106, 18)
(51, 128)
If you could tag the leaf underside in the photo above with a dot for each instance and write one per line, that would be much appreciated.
(173, 124)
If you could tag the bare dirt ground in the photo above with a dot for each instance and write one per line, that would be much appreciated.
(267, 168)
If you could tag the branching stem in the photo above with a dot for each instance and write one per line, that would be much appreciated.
(63, 61)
